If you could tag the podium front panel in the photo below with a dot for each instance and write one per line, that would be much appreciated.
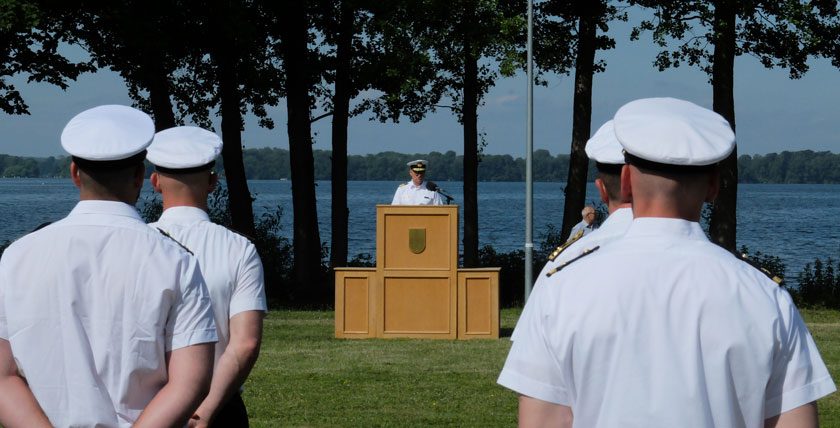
(419, 307)
(417, 237)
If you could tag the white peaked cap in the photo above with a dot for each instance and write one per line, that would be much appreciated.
(603, 147)
(673, 132)
(108, 133)
(184, 147)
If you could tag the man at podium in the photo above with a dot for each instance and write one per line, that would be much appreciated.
(417, 191)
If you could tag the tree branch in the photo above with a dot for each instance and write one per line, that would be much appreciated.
(327, 114)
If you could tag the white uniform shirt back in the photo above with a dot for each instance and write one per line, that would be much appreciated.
(229, 263)
(611, 229)
(90, 304)
(409, 194)
(664, 328)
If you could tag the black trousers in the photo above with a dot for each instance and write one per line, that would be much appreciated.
(232, 414)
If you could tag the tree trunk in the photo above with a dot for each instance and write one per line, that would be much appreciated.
(341, 113)
(307, 240)
(723, 223)
(159, 95)
(582, 117)
(470, 122)
(239, 197)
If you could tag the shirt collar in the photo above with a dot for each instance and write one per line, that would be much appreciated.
(184, 213)
(660, 226)
(621, 215)
(105, 207)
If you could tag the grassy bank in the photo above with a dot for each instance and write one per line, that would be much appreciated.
(305, 378)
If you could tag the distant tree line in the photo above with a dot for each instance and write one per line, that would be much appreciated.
(806, 166)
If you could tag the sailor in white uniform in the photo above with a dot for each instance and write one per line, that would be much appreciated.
(184, 157)
(416, 191)
(662, 327)
(606, 151)
(106, 320)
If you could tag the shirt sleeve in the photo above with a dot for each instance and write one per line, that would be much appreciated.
(436, 199)
(396, 200)
(799, 374)
(249, 291)
(191, 315)
(530, 368)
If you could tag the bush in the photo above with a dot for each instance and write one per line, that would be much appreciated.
(819, 287)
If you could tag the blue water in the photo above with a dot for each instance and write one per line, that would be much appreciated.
(795, 222)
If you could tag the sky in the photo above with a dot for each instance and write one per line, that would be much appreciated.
(772, 112)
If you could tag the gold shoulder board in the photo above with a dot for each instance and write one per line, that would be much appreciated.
(163, 232)
(568, 262)
(560, 249)
(771, 275)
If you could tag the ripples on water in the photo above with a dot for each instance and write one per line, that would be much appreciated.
(795, 222)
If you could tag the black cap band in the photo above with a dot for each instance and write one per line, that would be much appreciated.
(110, 164)
(609, 168)
(200, 168)
(668, 168)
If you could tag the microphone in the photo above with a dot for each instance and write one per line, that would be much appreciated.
(435, 188)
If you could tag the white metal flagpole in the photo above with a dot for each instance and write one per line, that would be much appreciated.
(529, 150)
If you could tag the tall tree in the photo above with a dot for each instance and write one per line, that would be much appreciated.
(567, 35)
(777, 33)
(29, 39)
(464, 34)
(300, 78)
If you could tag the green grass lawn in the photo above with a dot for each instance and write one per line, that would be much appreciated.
(306, 378)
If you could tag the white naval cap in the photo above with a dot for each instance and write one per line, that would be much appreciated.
(418, 165)
(184, 148)
(108, 133)
(672, 132)
(603, 147)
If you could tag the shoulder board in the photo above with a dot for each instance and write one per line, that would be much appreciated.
(402, 184)
(163, 232)
(744, 258)
(250, 239)
(566, 263)
(41, 226)
(560, 249)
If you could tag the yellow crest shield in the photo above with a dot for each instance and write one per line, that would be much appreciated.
(417, 240)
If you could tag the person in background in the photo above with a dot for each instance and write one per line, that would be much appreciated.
(606, 151)
(104, 321)
(415, 192)
(586, 225)
(184, 159)
(663, 327)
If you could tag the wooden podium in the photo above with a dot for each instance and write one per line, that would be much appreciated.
(416, 289)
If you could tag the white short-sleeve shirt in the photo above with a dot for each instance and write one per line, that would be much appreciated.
(664, 328)
(91, 304)
(611, 229)
(229, 263)
(409, 194)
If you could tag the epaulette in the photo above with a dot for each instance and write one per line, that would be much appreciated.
(164, 233)
(753, 263)
(402, 184)
(568, 262)
(250, 239)
(560, 249)
(41, 226)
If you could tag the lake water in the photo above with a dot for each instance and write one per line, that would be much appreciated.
(796, 222)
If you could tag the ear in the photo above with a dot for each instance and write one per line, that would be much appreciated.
(714, 186)
(155, 180)
(74, 174)
(626, 187)
(602, 189)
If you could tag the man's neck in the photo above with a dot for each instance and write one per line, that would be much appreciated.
(614, 207)
(174, 200)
